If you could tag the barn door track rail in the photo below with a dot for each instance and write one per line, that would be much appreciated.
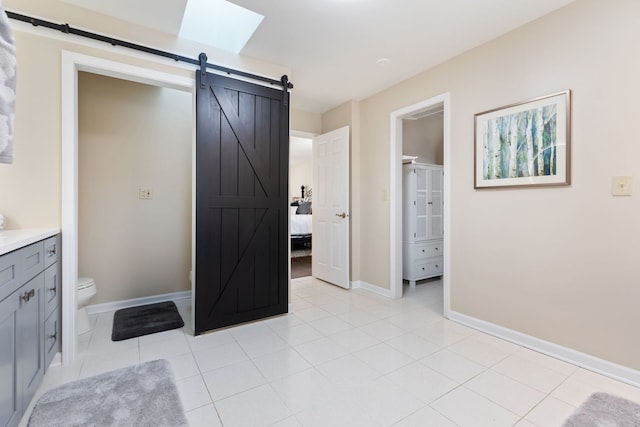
(65, 28)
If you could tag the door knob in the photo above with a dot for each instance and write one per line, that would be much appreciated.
(342, 215)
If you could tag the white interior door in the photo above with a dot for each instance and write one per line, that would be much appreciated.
(330, 208)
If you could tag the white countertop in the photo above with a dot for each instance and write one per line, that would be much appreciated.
(10, 240)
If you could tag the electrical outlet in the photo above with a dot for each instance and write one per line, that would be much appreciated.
(622, 185)
(144, 193)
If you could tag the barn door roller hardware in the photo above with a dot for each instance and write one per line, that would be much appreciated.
(65, 28)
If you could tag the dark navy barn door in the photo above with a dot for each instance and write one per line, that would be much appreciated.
(242, 162)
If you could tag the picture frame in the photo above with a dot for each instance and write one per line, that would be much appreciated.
(524, 144)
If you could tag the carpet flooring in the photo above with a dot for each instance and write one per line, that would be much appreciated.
(144, 320)
(300, 267)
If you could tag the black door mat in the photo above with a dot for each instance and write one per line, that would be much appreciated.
(144, 320)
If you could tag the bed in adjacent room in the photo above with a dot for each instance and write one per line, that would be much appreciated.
(301, 224)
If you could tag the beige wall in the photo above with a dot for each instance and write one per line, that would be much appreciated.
(303, 121)
(130, 136)
(554, 263)
(559, 264)
(424, 138)
(30, 187)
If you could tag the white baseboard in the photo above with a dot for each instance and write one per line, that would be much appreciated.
(56, 361)
(584, 360)
(359, 284)
(117, 305)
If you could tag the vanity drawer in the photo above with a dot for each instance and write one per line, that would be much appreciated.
(10, 278)
(51, 250)
(51, 289)
(51, 338)
(32, 261)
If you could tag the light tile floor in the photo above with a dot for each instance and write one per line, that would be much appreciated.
(350, 358)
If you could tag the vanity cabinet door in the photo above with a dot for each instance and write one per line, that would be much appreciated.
(11, 384)
(31, 335)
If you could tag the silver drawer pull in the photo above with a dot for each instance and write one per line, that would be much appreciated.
(437, 266)
(28, 295)
(52, 290)
(54, 336)
(51, 251)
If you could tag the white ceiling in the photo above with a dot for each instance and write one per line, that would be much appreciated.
(332, 46)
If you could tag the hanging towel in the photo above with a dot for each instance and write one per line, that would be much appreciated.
(7, 88)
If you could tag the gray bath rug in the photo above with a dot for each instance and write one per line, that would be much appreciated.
(145, 319)
(605, 410)
(140, 395)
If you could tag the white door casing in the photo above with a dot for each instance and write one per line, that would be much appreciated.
(71, 64)
(330, 208)
(395, 205)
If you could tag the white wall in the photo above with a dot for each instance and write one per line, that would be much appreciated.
(300, 174)
(130, 136)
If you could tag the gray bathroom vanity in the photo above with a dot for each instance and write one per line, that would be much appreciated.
(29, 315)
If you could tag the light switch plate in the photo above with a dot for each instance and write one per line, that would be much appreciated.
(622, 185)
(144, 193)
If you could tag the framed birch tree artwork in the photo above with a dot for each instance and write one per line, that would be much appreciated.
(524, 144)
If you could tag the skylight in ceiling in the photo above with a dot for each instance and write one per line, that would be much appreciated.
(219, 23)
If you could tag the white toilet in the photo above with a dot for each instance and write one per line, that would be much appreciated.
(86, 289)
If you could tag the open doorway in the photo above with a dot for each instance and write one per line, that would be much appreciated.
(329, 212)
(422, 204)
(422, 109)
(300, 203)
(134, 191)
(72, 64)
